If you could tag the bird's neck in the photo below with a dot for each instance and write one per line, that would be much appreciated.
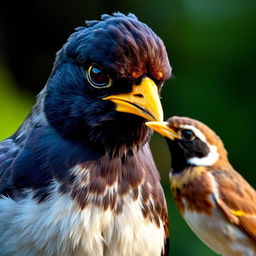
(120, 138)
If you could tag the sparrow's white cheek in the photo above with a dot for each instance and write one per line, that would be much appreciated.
(208, 160)
(213, 154)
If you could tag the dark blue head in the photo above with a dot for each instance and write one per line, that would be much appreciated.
(106, 81)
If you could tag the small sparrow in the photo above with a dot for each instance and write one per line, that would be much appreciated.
(217, 202)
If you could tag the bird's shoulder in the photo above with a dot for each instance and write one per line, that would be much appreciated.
(39, 158)
(237, 199)
(8, 152)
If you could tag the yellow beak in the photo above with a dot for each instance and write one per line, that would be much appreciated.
(163, 129)
(143, 101)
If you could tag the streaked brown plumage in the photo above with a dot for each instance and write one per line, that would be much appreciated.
(217, 202)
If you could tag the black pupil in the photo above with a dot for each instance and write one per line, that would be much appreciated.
(187, 135)
(98, 76)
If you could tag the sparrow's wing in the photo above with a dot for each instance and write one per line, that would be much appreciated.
(8, 152)
(237, 199)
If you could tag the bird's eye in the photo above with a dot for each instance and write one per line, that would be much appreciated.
(187, 135)
(98, 77)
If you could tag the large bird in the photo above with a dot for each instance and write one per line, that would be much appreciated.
(78, 177)
(216, 201)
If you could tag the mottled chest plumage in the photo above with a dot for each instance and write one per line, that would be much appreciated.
(108, 182)
(58, 226)
(194, 188)
(111, 207)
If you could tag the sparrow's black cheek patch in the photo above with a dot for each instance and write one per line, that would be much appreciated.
(178, 159)
(197, 148)
(182, 151)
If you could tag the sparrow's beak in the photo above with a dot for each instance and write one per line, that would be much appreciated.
(163, 129)
(143, 101)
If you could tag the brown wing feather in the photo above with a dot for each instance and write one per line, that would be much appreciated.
(248, 223)
(237, 199)
(166, 229)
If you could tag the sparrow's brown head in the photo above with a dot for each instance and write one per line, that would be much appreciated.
(191, 143)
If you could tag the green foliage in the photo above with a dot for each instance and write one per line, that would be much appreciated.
(14, 104)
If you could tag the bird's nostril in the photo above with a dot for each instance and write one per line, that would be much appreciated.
(139, 95)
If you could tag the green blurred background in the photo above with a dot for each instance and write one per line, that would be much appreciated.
(212, 48)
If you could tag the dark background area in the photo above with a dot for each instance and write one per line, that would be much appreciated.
(211, 46)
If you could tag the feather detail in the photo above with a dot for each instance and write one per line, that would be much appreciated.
(195, 186)
(237, 199)
(8, 152)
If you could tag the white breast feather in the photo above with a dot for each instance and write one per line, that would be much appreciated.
(58, 227)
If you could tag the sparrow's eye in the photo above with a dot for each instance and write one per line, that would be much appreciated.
(187, 135)
(98, 77)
